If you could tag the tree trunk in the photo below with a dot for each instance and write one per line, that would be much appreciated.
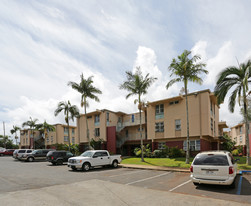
(87, 129)
(188, 141)
(248, 162)
(141, 138)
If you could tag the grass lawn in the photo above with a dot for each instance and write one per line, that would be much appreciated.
(175, 162)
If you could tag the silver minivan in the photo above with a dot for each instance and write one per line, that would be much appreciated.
(214, 167)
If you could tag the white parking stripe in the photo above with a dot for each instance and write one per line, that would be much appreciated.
(128, 173)
(180, 185)
(130, 183)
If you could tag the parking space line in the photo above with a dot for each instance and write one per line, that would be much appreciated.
(128, 173)
(179, 185)
(130, 183)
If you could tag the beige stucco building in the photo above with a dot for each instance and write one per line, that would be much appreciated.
(59, 136)
(163, 123)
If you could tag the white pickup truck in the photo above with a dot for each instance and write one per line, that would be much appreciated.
(93, 158)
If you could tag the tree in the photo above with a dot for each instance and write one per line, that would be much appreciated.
(87, 90)
(186, 69)
(136, 84)
(7, 143)
(32, 125)
(228, 144)
(45, 128)
(248, 110)
(14, 130)
(237, 78)
(70, 112)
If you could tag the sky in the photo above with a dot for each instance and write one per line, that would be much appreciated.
(47, 43)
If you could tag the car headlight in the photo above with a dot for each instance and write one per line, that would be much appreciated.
(79, 161)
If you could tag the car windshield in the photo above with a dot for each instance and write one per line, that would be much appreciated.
(87, 154)
(210, 159)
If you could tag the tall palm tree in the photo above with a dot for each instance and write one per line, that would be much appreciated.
(136, 84)
(45, 128)
(186, 69)
(87, 90)
(32, 125)
(237, 78)
(70, 112)
(14, 130)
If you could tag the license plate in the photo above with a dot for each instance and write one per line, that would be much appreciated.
(209, 172)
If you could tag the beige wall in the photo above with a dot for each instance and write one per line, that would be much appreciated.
(25, 136)
(199, 117)
(237, 136)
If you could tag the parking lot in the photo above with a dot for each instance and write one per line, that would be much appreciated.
(16, 176)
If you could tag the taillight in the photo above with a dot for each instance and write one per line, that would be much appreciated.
(231, 170)
(52, 157)
(191, 169)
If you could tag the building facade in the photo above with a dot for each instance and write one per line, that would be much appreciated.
(163, 123)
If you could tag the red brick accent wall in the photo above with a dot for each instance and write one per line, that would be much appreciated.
(154, 146)
(214, 145)
(111, 139)
(178, 144)
(205, 145)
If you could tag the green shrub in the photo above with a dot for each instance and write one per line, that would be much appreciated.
(146, 151)
(176, 152)
(235, 152)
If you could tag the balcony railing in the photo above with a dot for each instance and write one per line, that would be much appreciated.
(122, 125)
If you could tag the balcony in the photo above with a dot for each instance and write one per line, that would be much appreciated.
(121, 125)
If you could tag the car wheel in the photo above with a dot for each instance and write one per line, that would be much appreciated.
(59, 162)
(54, 163)
(30, 159)
(86, 166)
(115, 164)
(196, 183)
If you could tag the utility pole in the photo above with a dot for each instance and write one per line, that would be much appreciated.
(4, 135)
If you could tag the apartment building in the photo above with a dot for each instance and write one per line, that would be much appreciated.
(47, 140)
(238, 133)
(163, 123)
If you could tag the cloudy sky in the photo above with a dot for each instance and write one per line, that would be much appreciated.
(47, 43)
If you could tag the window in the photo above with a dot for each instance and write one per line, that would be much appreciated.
(212, 126)
(97, 118)
(159, 109)
(97, 132)
(240, 139)
(66, 138)
(177, 124)
(174, 102)
(72, 131)
(132, 117)
(89, 117)
(214, 160)
(51, 138)
(141, 129)
(65, 130)
(107, 116)
(73, 140)
(127, 133)
(194, 145)
(161, 145)
(240, 129)
(159, 127)
(47, 139)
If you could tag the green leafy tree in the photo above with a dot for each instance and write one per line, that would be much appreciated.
(45, 128)
(87, 90)
(7, 143)
(70, 112)
(14, 131)
(136, 84)
(32, 125)
(186, 69)
(227, 144)
(236, 78)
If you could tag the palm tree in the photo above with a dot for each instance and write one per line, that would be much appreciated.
(237, 78)
(32, 124)
(14, 130)
(70, 112)
(87, 90)
(45, 128)
(136, 84)
(186, 69)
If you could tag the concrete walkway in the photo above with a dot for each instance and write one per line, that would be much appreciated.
(104, 193)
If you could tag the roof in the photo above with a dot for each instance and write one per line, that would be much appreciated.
(215, 152)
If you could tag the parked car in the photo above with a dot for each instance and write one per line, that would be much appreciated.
(93, 158)
(17, 154)
(21, 154)
(7, 152)
(39, 154)
(58, 157)
(214, 167)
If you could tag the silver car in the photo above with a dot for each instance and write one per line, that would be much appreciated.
(214, 167)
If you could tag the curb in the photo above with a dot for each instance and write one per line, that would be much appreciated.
(145, 167)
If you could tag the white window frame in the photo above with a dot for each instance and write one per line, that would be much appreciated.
(194, 145)
(159, 127)
(177, 124)
(66, 138)
(161, 145)
(97, 132)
